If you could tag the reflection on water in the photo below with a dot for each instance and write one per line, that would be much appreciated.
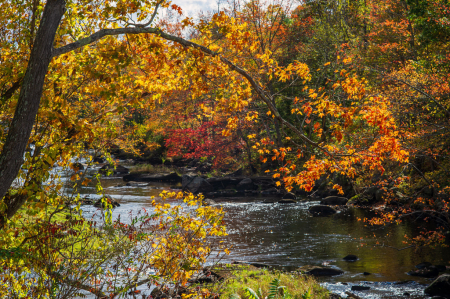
(287, 236)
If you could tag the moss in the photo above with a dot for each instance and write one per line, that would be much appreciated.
(357, 198)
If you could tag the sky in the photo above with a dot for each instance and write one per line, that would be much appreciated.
(192, 7)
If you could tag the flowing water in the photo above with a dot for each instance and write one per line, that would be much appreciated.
(287, 236)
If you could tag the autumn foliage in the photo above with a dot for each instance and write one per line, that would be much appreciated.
(202, 142)
(355, 93)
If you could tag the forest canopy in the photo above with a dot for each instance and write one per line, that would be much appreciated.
(351, 93)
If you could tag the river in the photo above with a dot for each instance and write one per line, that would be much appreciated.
(287, 236)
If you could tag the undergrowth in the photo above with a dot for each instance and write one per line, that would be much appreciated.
(262, 283)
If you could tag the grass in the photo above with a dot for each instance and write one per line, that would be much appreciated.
(260, 279)
(148, 168)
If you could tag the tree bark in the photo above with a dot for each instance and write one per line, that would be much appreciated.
(11, 157)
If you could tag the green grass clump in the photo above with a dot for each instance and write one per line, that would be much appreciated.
(261, 281)
(148, 168)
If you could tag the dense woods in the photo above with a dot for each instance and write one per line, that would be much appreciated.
(343, 97)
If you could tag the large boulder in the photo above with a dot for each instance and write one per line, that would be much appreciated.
(366, 197)
(289, 195)
(224, 182)
(424, 265)
(186, 179)
(230, 193)
(439, 287)
(197, 185)
(441, 268)
(428, 272)
(118, 169)
(238, 172)
(334, 201)
(320, 271)
(321, 210)
(154, 177)
(271, 191)
(245, 184)
(285, 201)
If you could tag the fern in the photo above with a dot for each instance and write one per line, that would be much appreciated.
(275, 291)
(273, 288)
(251, 294)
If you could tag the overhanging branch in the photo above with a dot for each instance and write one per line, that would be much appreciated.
(156, 31)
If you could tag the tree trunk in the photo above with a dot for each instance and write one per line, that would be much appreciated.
(11, 157)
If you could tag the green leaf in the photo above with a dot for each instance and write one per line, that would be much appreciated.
(307, 295)
(273, 289)
(251, 294)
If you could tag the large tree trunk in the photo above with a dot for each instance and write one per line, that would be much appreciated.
(11, 157)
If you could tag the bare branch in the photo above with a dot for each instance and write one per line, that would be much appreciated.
(153, 16)
(10, 92)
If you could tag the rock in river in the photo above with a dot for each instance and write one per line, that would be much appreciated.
(155, 177)
(423, 265)
(360, 288)
(334, 200)
(196, 184)
(350, 258)
(429, 272)
(289, 195)
(439, 287)
(321, 210)
(117, 169)
(245, 184)
(287, 201)
(320, 271)
(441, 268)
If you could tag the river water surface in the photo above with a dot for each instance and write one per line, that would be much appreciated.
(287, 236)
